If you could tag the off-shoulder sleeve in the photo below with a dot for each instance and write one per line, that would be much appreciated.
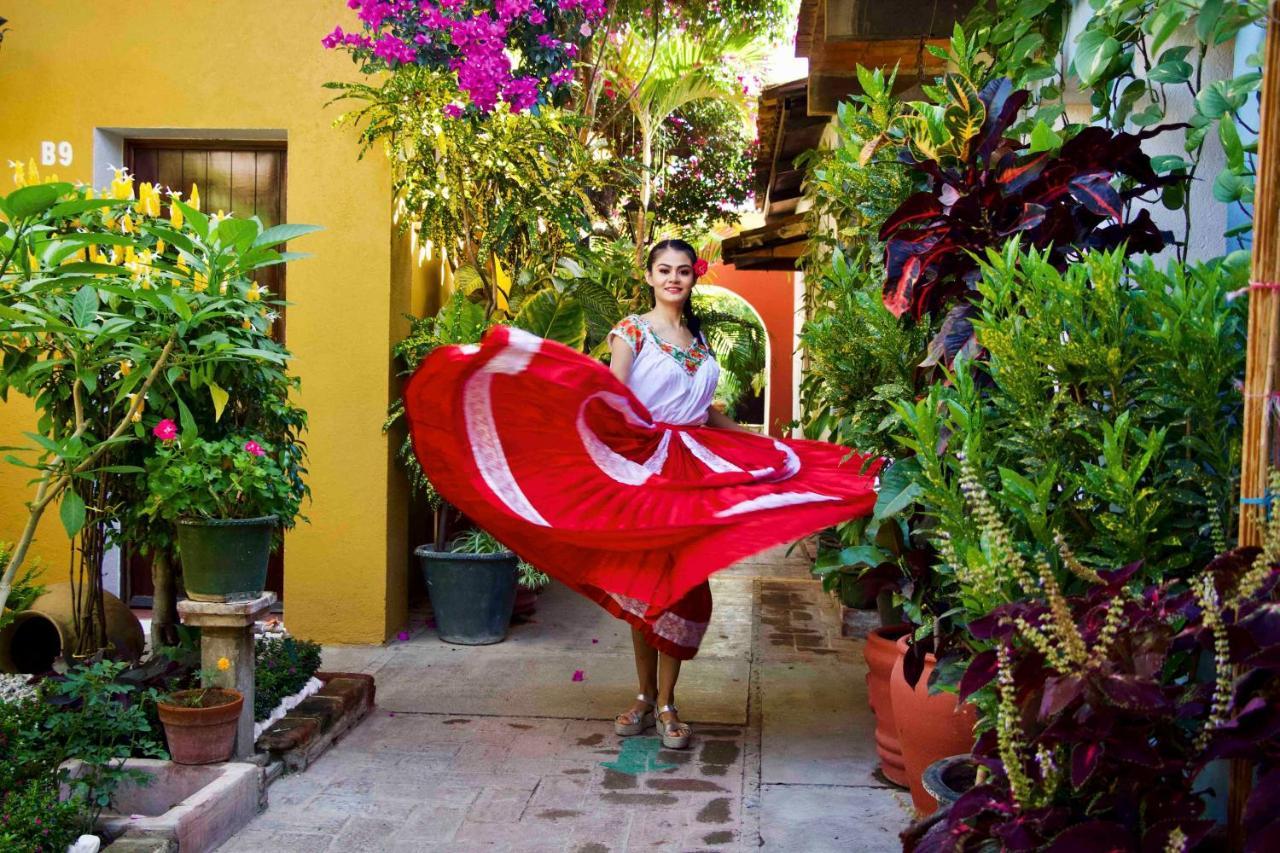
(629, 330)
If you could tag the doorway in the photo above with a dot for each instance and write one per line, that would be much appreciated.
(247, 178)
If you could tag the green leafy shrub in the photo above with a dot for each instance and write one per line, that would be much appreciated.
(25, 589)
(282, 667)
(103, 720)
(33, 820)
(1104, 429)
(229, 478)
(861, 358)
(24, 754)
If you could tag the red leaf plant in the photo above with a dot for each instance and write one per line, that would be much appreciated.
(1112, 703)
(1066, 202)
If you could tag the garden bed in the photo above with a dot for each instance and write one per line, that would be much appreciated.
(196, 808)
(306, 731)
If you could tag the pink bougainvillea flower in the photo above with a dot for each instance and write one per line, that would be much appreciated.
(166, 430)
(452, 110)
(700, 267)
(578, 675)
(254, 448)
(403, 636)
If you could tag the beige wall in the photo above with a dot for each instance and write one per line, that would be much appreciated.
(69, 68)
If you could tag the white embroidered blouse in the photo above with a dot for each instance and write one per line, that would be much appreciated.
(676, 385)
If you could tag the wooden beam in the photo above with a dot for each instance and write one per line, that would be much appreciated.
(844, 57)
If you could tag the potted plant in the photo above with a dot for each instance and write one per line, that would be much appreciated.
(200, 724)
(529, 582)
(228, 499)
(472, 585)
(1105, 717)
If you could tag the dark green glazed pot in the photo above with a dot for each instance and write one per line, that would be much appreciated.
(225, 559)
(472, 595)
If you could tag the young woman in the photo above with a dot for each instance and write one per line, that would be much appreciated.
(623, 482)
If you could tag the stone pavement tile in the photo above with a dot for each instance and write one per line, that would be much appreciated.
(340, 762)
(562, 794)
(442, 790)
(253, 840)
(522, 836)
(293, 789)
(658, 829)
(501, 805)
(432, 823)
(816, 726)
(366, 833)
(301, 819)
(354, 658)
(352, 806)
(711, 688)
(601, 833)
(822, 819)
(479, 758)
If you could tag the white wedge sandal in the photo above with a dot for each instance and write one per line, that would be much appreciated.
(674, 735)
(634, 722)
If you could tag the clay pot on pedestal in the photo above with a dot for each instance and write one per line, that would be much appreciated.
(200, 724)
(225, 559)
(880, 653)
(930, 728)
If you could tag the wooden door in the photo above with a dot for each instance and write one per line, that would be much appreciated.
(245, 178)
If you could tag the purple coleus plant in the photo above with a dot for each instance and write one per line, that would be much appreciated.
(1111, 751)
(1066, 202)
(476, 39)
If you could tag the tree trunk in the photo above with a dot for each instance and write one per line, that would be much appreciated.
(646, 191)
(164, 602)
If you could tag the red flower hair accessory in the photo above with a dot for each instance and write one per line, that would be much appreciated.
(700, 267)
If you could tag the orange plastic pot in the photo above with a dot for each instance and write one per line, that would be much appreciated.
(930, 728)
(880, 653)
(201, 734)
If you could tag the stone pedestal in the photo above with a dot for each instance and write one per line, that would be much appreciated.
(226, 631)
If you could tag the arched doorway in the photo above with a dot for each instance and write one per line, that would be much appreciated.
(771, 295)
(741, 340)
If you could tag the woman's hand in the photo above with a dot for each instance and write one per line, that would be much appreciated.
(719, 420)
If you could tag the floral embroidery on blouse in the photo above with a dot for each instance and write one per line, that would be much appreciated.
(629, 330)
(690, 359)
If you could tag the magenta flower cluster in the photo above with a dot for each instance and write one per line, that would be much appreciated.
(475, 40)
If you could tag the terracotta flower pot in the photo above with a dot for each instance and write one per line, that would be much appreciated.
(204, 734)
(880, 653)
(526, 603)
(929, 727)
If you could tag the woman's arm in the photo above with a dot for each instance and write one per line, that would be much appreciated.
(719, 420)
(620, 363)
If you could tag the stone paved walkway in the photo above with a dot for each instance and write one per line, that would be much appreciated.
(498, 748)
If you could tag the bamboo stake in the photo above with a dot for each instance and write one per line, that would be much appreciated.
(1263, 354)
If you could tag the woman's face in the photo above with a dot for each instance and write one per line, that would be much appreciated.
(671, 277)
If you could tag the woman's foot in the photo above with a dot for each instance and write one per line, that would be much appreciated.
(635, 719)
(674, 733)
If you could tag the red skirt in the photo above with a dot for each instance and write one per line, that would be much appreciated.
(543, 447)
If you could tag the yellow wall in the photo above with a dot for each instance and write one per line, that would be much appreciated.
(70, 66)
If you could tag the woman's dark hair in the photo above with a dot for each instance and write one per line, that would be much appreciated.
(691, 320)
